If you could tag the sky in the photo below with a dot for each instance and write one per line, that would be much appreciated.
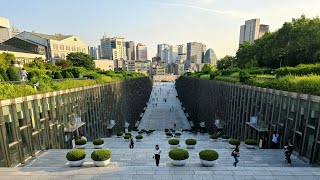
(215, 23)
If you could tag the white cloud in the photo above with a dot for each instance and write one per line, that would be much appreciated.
(230, 13)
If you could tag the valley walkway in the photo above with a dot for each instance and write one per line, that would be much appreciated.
(158, 115)
(138, 163)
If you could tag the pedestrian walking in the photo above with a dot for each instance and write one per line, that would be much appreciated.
(236, 153)
(288, 152)
(156, 155)
(275, 139)
(131, 142)
(23, 74)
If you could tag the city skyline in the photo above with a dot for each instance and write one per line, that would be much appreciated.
(215, 23)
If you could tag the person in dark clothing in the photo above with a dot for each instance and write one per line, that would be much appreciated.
(236, 153)
(288, 152)
(131, 142)
(156, 155)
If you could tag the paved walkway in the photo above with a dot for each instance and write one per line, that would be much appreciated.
(137, 163)
(161, 114)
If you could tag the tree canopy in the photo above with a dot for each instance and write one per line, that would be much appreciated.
(294, 43)
(207, 69)
(82, 60)
(225, 62)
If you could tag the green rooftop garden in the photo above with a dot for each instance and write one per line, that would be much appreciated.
(77, 71)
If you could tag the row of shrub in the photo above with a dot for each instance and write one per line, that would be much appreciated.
(252, 71)
(300, 70)
(181, 154)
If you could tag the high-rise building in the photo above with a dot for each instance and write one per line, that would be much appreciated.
(161, 52)
(93, 51)
(99, 52)
(174, 52)
(142, 52)
(252, 30)
(5, 32)
(130, 50)
(195, 52)
(113, 48)
(182, 55)
(210, 57)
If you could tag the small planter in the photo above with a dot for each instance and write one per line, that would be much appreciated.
(179, 157)
(233, 143)
(76, 157)
(139, 138)
(225, 138)
(250, 146)
(207, 163)
(76, 163)
(169, 135)
(98, 143)
(213, 140)
(250, 143)
(101, 157)
(81, 143)
(177, 135)
(191, 143)
(126, 138)
(119, 135)
(178, 162)
(174, 146)
(207, 157)
(81, 146)
(101, 163)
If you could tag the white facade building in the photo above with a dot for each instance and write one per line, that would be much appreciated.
(5, 32)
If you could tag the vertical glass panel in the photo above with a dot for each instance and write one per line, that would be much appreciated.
(297, 142)
(308, 142)
(317, 154)
(9, 128)
(14, 154)
(293, 108)
(303, 116)
(25, 144)
(314, 114)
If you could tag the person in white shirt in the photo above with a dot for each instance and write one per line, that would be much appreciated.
(156, 155)
(23, 74)
(275, 139)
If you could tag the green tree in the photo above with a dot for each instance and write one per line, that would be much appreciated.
(13, 74)
(64, 64)
(82, 60)
(225, 62)
(5, 59)
(207, 69)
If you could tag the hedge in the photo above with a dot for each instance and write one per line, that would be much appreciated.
(191, 141)
(98, 141)
(173, 141)
(234, 142)
(76, 155)
(300, 70)
(250, 142)
(227, 79)
(213, 136)
(101, 155)
(208, 155)
(224, 136)
(179, 154)
(81, 142)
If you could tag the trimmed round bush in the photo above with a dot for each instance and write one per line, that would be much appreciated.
(213, 136)
(208, 155)
(177, 134)
(224, 136)
(126, 136)
(140, 132)
(250, 142)
(191, 141)
(139, 137)
(166, 129)
(169, 134)
(234, 142)
(101, 155)
(143, 130)
(119, 134)
(149, 132)
(98, 141)
(173, 141)
(178, 154)
(173, 131)
(80, 142)
(76, 155)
